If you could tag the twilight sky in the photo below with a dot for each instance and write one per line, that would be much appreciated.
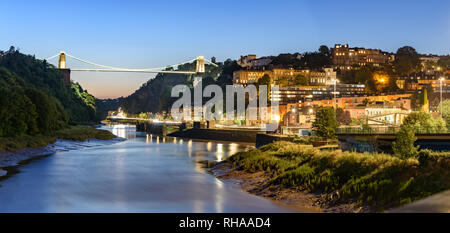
(145, 34)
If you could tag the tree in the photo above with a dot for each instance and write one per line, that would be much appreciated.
(317, 60)
(363, 75)
(426, 104)
(407, 61)
(50, 113)
(343, 117)
(325, 124)
(366, 102)
(403, 146)
(301, 80)
(286, 60)
(424, 122)
(265, 80)
(283, 81)
(444, 62)
(365, 127)
(445, 106)
(324, 50)
(38, 74)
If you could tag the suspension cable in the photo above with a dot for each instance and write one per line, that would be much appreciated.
(116, 68)
(52, 57)
(125, 69)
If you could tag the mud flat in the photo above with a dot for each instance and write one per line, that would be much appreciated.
(258, 184)
(13, 158)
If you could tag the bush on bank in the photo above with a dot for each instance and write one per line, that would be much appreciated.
(379, 180)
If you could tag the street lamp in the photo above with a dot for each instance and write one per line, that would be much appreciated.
(440, 82)
(334, 93)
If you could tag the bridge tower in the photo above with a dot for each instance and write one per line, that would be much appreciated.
(62, 67)
(200, 69)
(62, 60)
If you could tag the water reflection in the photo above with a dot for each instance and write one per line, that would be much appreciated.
(123, 131)
(219, 152)
(142, 174)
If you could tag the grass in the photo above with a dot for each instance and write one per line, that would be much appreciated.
(25, 141)
(81, 133)
(378, 180)
(76, 133)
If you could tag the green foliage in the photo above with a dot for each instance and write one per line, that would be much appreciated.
(325, 124)
(36, 104)
(365, 127)
(28, 72)
(17, 113)
(425, 98)
(286, 60)
(106, 105)
(24, 141)
(301, 80)
(423, 122)
(305, 140)
(445, 106)
(155, 95)
(78, 133)
(407, 61)
(379, 180)
(82, 133)
(50, 113)
(444, 62)
(403, 146)
(27, 110)
(343, 117)
(317, 60)
(283, 82)
(265, 80)
(356, 121)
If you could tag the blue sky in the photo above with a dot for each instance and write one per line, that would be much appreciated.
(144, 34)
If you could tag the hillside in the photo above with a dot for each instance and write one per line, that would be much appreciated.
(26, 72)
(35, 98)
(154, 95)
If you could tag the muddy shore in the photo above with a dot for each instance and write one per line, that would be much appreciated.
(13, 158)
(258, 184)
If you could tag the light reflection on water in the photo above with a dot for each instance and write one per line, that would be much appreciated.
(146, 173)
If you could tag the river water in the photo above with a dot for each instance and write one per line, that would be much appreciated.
(146, 173)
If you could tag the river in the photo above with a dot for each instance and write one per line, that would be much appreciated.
(145, 173)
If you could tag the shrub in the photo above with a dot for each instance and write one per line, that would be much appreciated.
(404, 144)
(325, 124)
(380, 180)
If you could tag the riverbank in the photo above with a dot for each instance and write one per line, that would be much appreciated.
(76, 133)
(257, 183)
(18, 149)
(335, 181)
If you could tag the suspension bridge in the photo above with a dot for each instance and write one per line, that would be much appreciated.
(62, 58)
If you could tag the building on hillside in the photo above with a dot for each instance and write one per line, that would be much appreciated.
(244, 61)
(260, 63)
(347, 102)
(429, 58)
(403, 103)
(418, 81)
(300, 94)
(357, 112)
(345, 58)
(382, 114)
(325, 77)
